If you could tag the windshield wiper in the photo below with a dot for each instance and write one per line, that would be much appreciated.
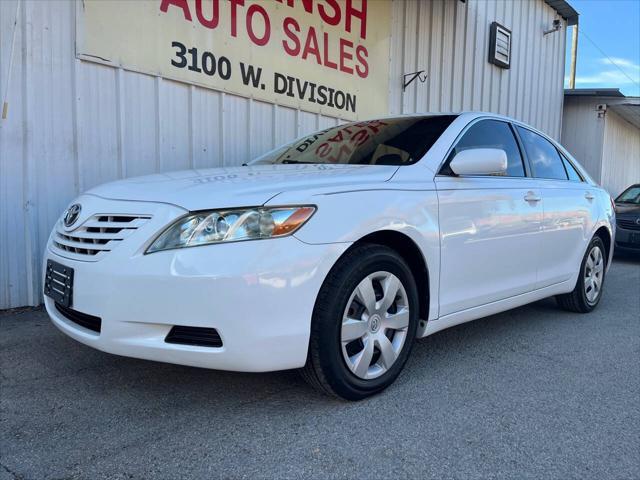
(292, 162)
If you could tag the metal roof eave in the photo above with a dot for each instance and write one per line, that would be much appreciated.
(565, 10)
(593, 92)
(630, 111)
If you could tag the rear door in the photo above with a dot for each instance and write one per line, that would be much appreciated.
(489, 225)
(569, 207)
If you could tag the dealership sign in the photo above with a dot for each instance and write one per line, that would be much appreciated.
(327, 56)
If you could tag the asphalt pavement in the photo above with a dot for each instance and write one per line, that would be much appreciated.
(535, 392)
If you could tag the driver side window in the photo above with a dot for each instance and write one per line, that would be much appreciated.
(493, 134)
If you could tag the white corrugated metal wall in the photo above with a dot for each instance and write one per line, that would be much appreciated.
(75, 124)
(606, 144)
(620, 154)
(583, 133)
(450, 40)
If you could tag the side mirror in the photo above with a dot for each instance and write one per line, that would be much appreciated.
(479, 161)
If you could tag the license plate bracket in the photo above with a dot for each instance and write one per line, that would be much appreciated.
(58, 283)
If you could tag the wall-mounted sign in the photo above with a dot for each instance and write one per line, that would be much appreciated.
(327, 56)
(500, 45)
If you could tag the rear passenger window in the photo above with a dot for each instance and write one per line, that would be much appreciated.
(571, 171)
(544, 158)
(493, 134)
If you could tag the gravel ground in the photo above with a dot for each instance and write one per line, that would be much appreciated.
(530, 393)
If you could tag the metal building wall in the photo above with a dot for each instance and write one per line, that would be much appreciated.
(450, 40)
(606, 144)
(620, 154)
(74, 124)
(583, 133)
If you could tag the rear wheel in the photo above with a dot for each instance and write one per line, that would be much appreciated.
(363, 325)
(588, 291)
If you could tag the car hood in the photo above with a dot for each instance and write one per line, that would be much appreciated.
(239, 186)
(627, 209)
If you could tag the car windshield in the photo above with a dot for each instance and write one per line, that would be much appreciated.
(630, 195)
(392, 141)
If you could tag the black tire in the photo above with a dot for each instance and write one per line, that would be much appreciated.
(326, 369)
(577, 301)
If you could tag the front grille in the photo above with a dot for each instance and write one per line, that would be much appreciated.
(198, 336)
(627, 224)
(97, 236)
(83, 319)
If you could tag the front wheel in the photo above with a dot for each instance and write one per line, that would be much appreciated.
(364, 323)
(588, 291)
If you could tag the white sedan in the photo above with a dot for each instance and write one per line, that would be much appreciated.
(332, 253)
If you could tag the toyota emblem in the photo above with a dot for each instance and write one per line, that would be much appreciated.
(638, 221)
(72, 214)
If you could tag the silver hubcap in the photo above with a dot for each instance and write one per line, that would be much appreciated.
(375, 325)
(593, 274)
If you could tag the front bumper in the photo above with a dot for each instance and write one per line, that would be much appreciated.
(259, 295)
(627, 239)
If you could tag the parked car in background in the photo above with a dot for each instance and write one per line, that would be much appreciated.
(334, 252)
(627, 207)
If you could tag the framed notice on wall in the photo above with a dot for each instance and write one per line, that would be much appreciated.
(325, 56)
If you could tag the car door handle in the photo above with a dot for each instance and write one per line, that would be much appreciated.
(531, 197)
(589, 196)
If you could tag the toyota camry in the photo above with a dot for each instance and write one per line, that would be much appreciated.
(332, 253)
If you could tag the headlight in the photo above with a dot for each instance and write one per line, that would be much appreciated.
(217, 226)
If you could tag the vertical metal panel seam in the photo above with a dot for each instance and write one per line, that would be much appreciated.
(467, 98)
(443, 21)
(524, 25)
(249, 119)
(495, 73)
(77, 170)
(221, 123)
(557, 42)
(26, 167)
(404, 59)
(527, 77)
(159, 123)
(393, 39)
(542, 74)
(535, 87)
(473, 54)
(561, 67)
(563, 47)
(463, 80)
(430, 50)
(513, 81)
(5, 299)
(526, 86)
(274, 126)
(482, 57)
(454, 57)
(550, 112)
(503, 90)
(603, 146)
(191, 127)
(547, 118)
(544, 111)
(422, 51)
(416, 56)
(120, 122)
